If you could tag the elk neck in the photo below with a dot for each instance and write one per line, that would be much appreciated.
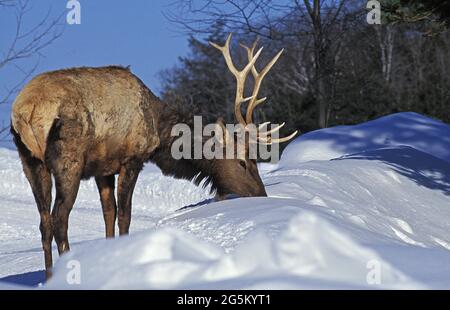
(196, 170)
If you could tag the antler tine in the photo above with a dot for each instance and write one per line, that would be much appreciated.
(250, 51)
(265, 136)
(240, 76)
(271, 131)
(258, 77)
(261, 126)
(226, 138)
(268, 140)
(226, 54)
(258, 80)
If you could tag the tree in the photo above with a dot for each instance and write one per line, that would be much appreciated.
(25, 43)
(366, 70)
(436, 13)
(316, 24)
(200, 82)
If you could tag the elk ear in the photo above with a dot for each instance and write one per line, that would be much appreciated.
(223, 136)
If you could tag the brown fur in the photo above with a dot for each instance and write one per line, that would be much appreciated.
(225, 176)
(98, 122)
(115, 112)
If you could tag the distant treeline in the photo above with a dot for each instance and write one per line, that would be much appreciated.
(336, 68)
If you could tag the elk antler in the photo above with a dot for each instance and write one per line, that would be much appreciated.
(241, 76)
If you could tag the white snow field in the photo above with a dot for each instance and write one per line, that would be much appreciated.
(362, 207)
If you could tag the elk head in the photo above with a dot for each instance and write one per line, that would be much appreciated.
(239, 175)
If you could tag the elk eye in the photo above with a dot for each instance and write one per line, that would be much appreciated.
(243, 164)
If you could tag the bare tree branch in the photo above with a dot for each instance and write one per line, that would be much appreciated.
(26, 44)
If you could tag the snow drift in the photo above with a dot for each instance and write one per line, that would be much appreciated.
(169, 258)
(364, 206)
(408, 129)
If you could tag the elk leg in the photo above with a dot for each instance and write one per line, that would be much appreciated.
(106, 189)
(41, 184)
(127, 180)
(67, 185)
(40, 180)
(65, 156)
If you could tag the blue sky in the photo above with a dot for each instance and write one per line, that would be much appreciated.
(111, 32)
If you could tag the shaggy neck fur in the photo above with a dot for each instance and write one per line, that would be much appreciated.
(196, 170)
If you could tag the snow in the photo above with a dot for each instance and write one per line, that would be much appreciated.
(408, 129)
(365, 206)
(168, 258)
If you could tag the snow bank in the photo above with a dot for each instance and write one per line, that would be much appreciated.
(170, 258)
(407, 128)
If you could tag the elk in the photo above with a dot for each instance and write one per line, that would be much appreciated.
(88, 122)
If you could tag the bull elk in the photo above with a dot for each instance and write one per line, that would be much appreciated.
(80, 123)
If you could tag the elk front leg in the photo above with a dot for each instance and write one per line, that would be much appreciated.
(127, 180)
(106, 189)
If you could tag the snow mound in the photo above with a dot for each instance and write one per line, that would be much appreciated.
(172, 259)
(407, 128)
(392, 194)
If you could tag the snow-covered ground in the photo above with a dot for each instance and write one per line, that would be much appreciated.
(364, 206)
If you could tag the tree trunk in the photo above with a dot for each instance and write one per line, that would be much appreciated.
(320, 51)
(386, 41)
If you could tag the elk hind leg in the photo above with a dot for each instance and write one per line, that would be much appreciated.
(65, 155)
(40, 180)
